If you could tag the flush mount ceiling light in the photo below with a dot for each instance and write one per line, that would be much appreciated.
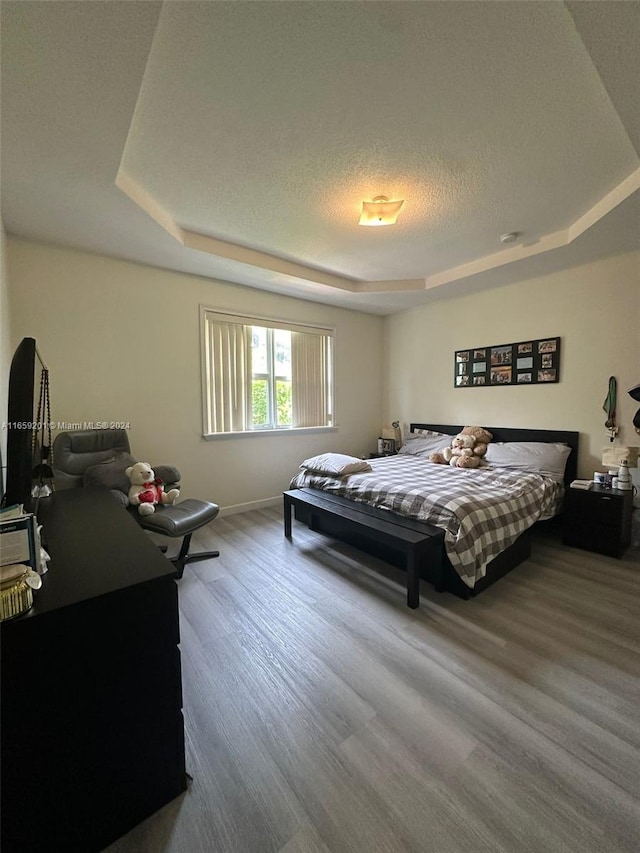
(380, 211)
(510, 237)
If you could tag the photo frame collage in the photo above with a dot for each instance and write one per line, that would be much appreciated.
(524, 363)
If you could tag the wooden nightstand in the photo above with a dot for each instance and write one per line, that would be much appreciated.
(598, 519)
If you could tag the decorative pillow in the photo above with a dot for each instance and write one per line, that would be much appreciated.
(535, 456)
(335, 464)
(422, 442)
(110, 473)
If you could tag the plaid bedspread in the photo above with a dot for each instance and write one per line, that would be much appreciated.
(481, 510)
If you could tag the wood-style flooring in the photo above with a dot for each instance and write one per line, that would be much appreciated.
(324, 716)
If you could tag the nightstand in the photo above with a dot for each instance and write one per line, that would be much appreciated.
(598, 519)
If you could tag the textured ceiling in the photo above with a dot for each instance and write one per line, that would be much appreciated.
(244, 136)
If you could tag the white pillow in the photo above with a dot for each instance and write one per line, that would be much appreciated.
(335, 464)
(535, 456)
(422, 442)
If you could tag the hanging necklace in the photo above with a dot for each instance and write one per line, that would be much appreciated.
(42, 455)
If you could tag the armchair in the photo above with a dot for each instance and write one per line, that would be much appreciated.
(99, 458)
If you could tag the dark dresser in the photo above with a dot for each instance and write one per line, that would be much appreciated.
(92, 730)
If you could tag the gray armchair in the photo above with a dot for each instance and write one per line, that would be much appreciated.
(99, 458)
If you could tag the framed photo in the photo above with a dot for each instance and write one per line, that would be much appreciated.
(500, 375)
(501, 355)
(548, 375)
(388, 446)
(521, 363)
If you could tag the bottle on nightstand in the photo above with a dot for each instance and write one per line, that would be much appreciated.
(623, 479)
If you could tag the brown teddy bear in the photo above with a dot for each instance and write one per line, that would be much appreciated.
(460, 454)
(467, 449)
(482, 437)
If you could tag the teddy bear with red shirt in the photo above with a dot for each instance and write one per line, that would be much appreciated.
(146, 490)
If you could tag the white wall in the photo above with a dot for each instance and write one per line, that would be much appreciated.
(122, 343)
(595, 309)
(5, 346)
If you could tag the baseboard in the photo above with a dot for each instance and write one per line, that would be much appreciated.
(247, 507)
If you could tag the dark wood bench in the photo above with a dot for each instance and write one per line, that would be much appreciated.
(382, 533)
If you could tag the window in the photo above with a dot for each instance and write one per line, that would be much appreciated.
(265, 375)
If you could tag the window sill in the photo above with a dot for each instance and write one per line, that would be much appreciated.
(254, 433)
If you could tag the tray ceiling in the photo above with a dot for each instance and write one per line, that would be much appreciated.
(238, 140)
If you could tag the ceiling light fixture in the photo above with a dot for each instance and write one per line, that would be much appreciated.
(380, 211)
(511, 237)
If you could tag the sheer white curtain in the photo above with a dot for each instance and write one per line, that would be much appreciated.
(229, 359)
(310, 379)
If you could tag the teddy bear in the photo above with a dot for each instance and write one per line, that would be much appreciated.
(146, 491)
(482, 437)
(466, 450)
(460, 454)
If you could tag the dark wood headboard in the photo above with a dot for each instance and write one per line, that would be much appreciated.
(513, 434)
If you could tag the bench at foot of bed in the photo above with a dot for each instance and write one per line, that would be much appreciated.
(419, 545)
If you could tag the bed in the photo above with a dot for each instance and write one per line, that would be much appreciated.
(476, 522)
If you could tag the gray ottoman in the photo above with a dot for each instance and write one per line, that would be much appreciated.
(180, 521)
